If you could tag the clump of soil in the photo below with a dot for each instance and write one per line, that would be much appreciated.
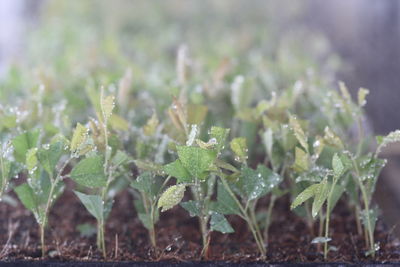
(178, 236)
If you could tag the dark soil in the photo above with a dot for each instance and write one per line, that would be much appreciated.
(178, 236)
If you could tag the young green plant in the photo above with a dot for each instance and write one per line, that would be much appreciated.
(45, 166)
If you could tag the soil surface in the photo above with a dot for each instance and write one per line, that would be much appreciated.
(178, 236)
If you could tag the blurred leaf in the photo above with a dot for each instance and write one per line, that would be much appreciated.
(171, 197)
(23, 142)
(219, 223)
(176, 169)
(93, 203)
(89, 172)
(239, 147)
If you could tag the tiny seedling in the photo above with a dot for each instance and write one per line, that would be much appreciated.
(196, 168)
(45, 166)
(98, 170)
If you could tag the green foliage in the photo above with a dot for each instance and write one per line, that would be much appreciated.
(291, 130)
(89, 172)
(171, 197)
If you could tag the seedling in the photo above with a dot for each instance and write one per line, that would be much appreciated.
(150, 183)
(45, 166)
(98, 170)
(196, 168)
(8, 168)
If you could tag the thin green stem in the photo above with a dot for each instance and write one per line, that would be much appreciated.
(366, 208)
(246, 217)
(42, 232)
(269, 219)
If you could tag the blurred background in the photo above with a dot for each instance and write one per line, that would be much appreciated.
(356, 41)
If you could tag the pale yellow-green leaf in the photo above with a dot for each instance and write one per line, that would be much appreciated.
(392, 137)
(301, 163)
(151, 125)
(332, 139)
(171, 197)
(107, 106)
(362, 94)
(239, 147)
(79, 137)
(344, 91)
(118, 123)
(31, 159)
(308, 193)
(298, 132)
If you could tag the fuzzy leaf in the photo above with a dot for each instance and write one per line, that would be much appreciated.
(225, 203)
(93, 203)
(196, 114)
(193, 207)
(301, 163)
(196, 160)
(90, 172)
(219, 223)
(337, 165)
(107, 106)
(239, 147)
(308, 193)
(392, 137)
(79, 137)
(257, 183)
(23, 142)
(31, 159)
(320, 196)
(171, 197)
(298, 132)
(26, 196)
(176, 169)
(146, 183)
(220, 135)
(49, 158)
(362, 93)
(151, 125)
(332, 139)
(119, 158)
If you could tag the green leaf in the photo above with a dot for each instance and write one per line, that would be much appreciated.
(298, 132)
(301, 162)
(171, 197)
(151, 125)
(23, 142)
(225, 204)
(107, 106)
(146, 220)
(93, 203)
(31, 159)
(337, 165)
(49, 158)
(145, 183)
(239, 147)
(27, 197)
(220, 135)
(196, 160)
(219, 223)
(308, 193)
(268, 140)
(336, 194)
(90, 172)
(392, 137)
(119, 158)
(79, 137)
(257, 183)
(196, 114)
(320, 196)
(176, 169)
(193, 207)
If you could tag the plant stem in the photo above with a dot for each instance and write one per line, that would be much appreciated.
(366, 208)
(268, 220)
(246, 217)
(328, 215)
(42, 230)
